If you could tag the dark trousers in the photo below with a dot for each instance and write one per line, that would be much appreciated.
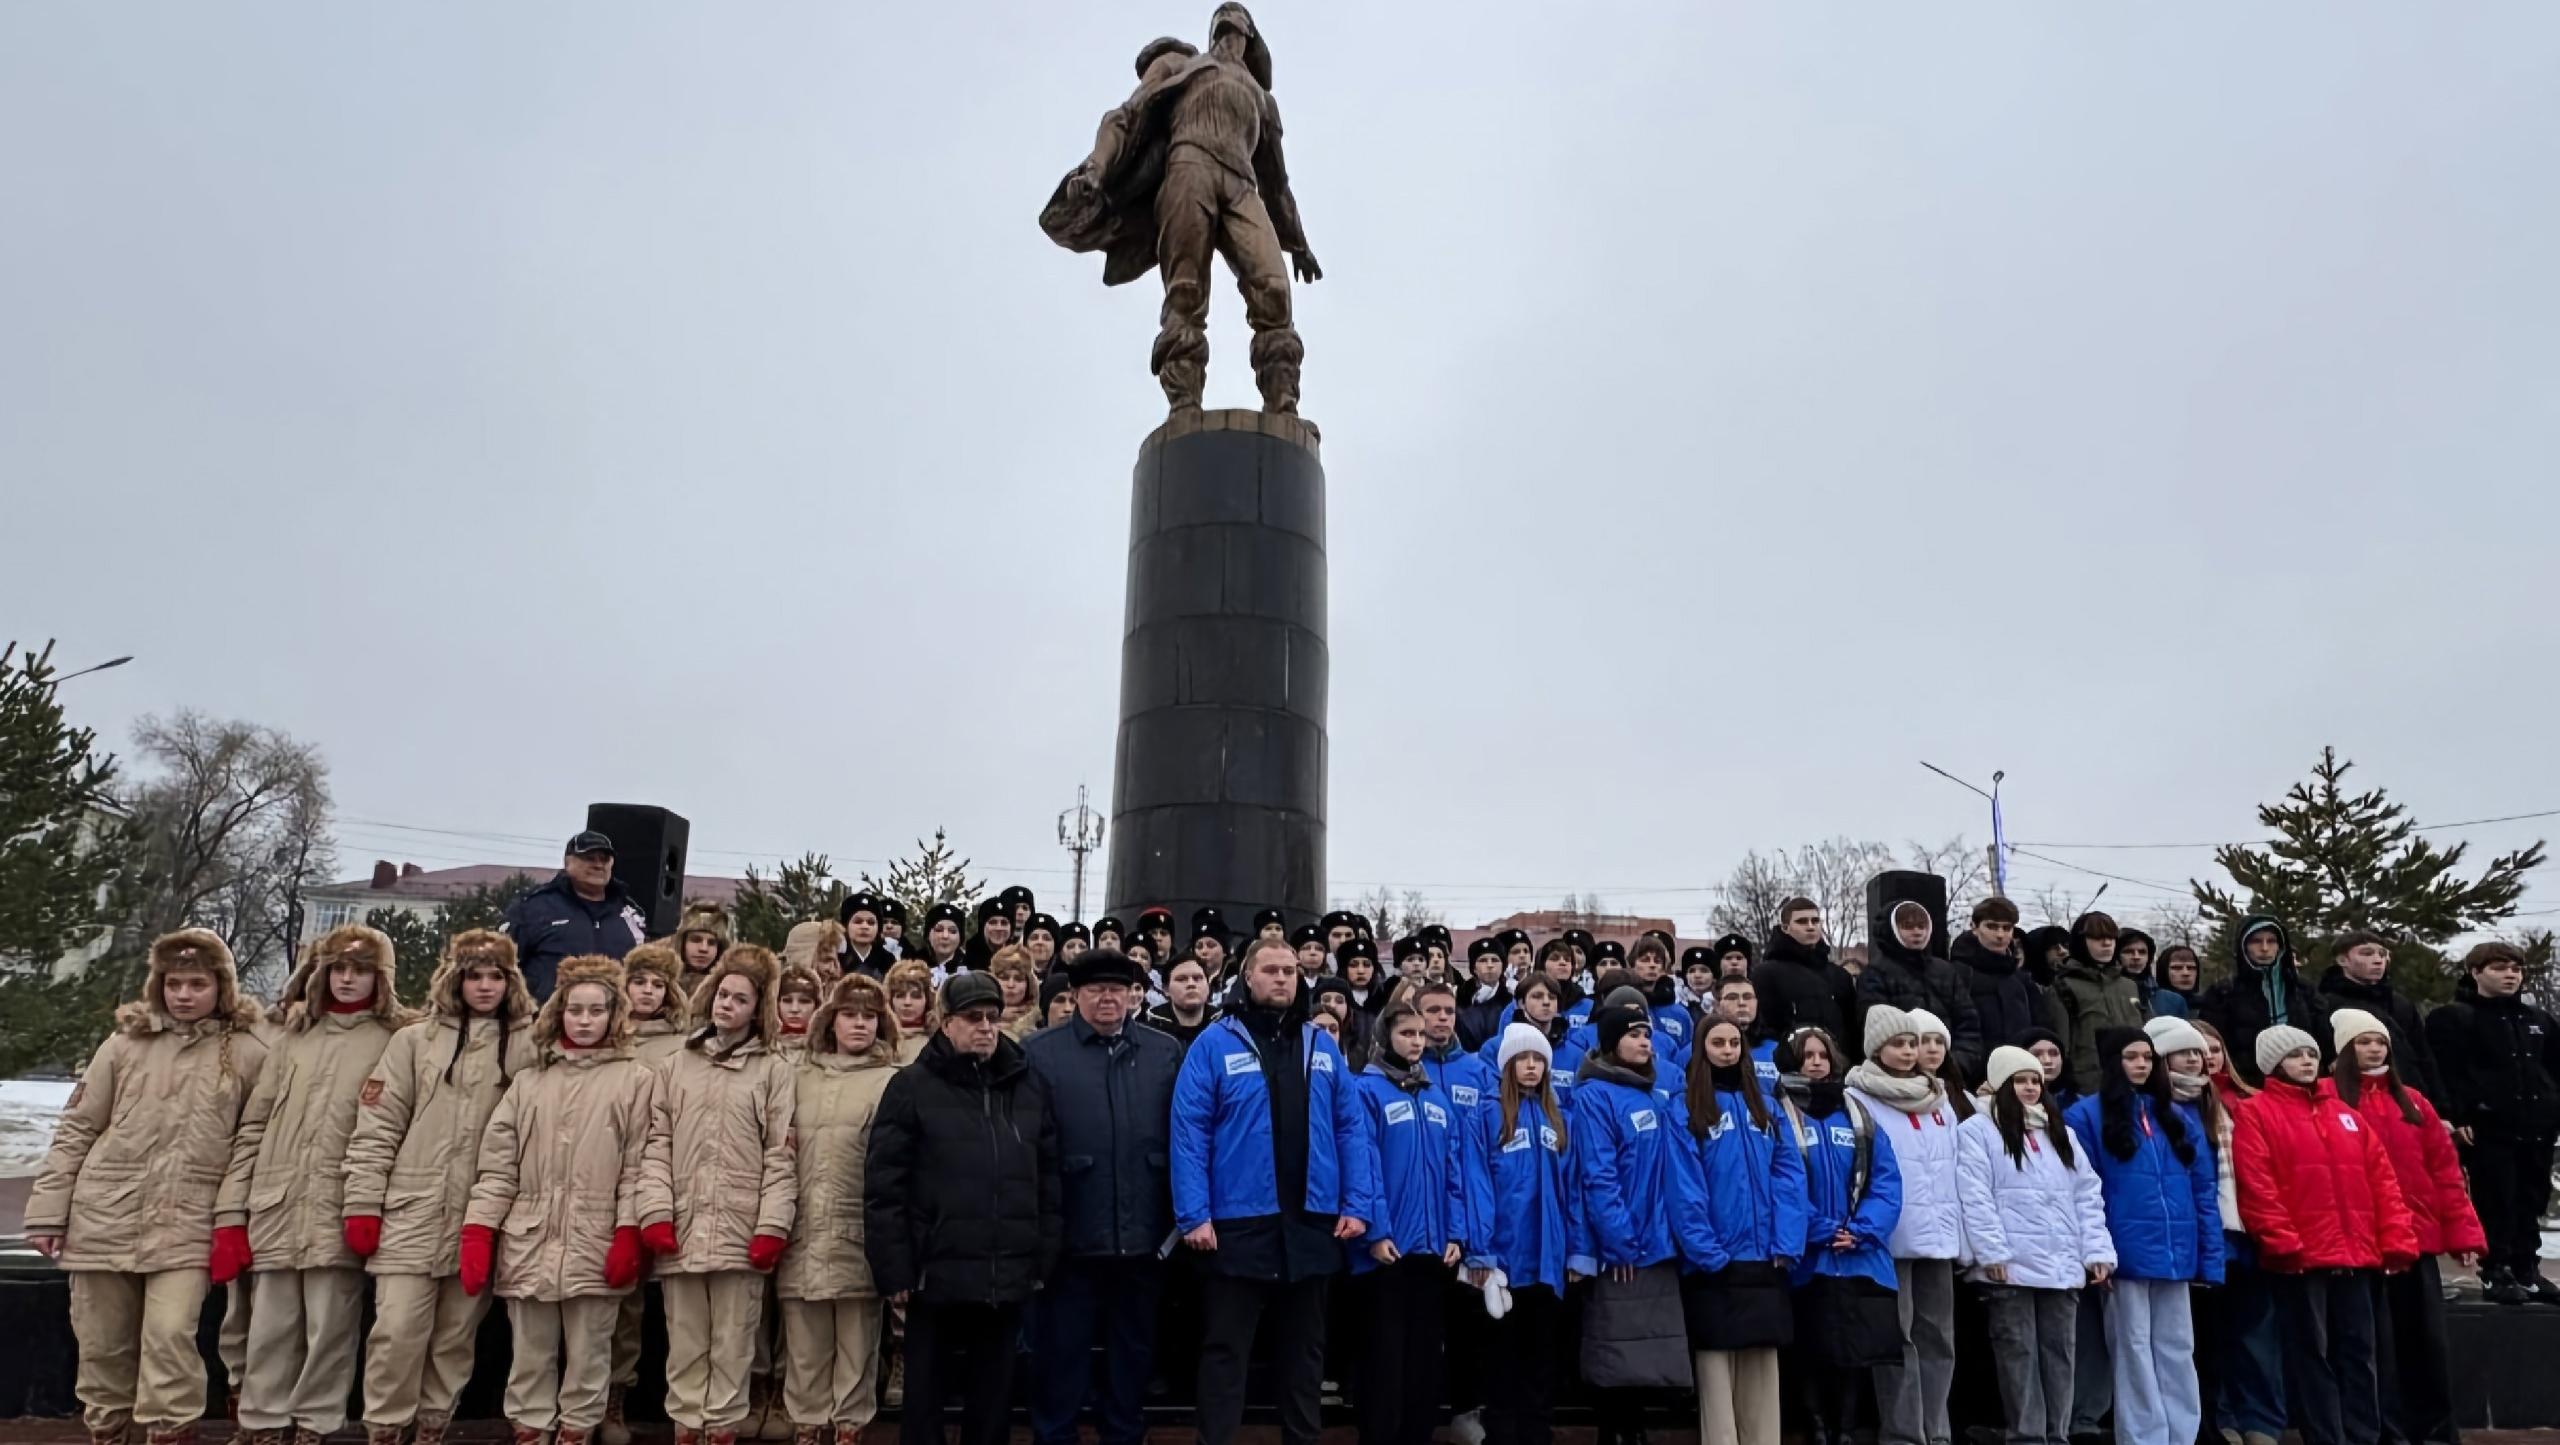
(2248, 1346)
(1400, 1372)
(2416, 1357)
(1520, 1371)
(1831, 1394)
(1470, 1340)
(1109, 1301)
(2511, 1186)
(1233, 1311)
(963, 1347)
(2327, 1321)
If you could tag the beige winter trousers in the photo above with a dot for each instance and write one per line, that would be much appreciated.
(563, 1361)
(832, 1361)
(303, 1327)
(137, 1335)
(712, 1321)
(1737, 1397)
(418, 1357)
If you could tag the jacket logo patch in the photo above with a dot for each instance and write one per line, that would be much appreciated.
(1641, 1121)
(1466, 1097)
(1518, 1141)
(1844, 1136)
(1434, 1115)
(1243, 1064)
(2348, 1122)
(1720, 1127)
(371, 1098)
(1322, 1063)
(1399, 1112)
(1547, 1136)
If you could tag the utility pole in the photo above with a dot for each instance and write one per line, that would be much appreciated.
(1080, 833)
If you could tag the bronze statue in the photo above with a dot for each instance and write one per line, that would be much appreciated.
(1190, 165)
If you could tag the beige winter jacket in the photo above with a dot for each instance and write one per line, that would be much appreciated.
(728, 1126)
(835, 1097)
(655, 1041)
(416, 1149)
(574, 1151)
(138, 1156)
(288, 1160)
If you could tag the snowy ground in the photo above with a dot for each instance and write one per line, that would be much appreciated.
(28, 1108)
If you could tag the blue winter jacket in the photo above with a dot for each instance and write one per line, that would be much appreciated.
(1641, 1193)
(1827, 1149)
(1584, 1038)
(2165, 1217)
(1467, 1079)
(1417, 1138)
(1568, 1057)
(1764, 1059)
(1755, 1191)
(1222, 1164)
(1524, 1205)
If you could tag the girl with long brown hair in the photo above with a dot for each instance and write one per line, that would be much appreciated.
(1738, 1311)
(1524, 1215)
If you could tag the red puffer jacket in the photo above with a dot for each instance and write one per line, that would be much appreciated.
(2317, 1189)
(2430, 1173)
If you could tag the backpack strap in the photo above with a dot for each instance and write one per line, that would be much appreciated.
(1863, 1157)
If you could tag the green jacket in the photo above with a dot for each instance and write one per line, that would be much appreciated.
(2095, 996)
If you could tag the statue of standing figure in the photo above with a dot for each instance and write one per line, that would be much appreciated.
(1189, 166)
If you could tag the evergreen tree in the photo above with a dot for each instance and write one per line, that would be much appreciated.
(932, 876)
(2344, 860)
(800, 891)
(416, 943)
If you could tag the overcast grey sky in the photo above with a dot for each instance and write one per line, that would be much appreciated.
(1723, 407)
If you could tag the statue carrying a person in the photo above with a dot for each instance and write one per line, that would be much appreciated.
(1188, 166)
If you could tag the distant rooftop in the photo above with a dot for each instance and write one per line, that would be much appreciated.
(410, 882)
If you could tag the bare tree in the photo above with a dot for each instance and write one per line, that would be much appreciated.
(1966, 868)
(234, 828)
(1747, 901)
(1392, 914)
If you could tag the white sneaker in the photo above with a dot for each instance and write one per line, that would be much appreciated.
(1468, 1429)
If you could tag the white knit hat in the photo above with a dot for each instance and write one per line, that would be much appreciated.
(2007, 1062)
(1927, 1025)
(1885, 1022)
(1521, 1039)
(2349, 1024)
(2279, 1040)
(2171, 1034)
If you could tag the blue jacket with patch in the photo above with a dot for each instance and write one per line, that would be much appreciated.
(1567, 1053)
(1668, 1072)
(1638, 1177)
(1755, 1185)
(1524, 1205)
(2165, 1217)
(1467, 1079)
(1222, 1161)
(1827, 1148)
(1417, 1138)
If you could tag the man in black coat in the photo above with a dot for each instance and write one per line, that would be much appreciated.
(1908, 974)
(1800, 986)
(2264, 989)
(1110, 1083)
(961, 1211)
(2360, 977)
(2007, 1000)
(583, 909)
(2501, 1062)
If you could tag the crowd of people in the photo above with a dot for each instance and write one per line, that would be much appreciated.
(1735, 1175)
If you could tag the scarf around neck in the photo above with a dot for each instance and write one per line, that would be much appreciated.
(1913, 1094)
(1411, 1080)
(2186, 1088)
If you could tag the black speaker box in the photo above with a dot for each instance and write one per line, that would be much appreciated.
(1888, 891)
(648, 858)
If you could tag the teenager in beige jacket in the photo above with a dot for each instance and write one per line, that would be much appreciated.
(653, 979)
(726, 1108)
(410, 1169)
(830, 1313)
(125, 1200)
(573, 1190)
(283, 1198)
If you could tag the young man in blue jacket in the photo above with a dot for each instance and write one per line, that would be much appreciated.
(1269, 1181)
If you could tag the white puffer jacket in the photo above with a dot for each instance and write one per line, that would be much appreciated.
(2044, 1219)
(1924, 1152)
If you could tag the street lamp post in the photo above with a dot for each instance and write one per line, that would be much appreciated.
(99, 667)
(1999, 840)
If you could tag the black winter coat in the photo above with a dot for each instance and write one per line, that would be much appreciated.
(2411, 1055)
(553, 923)
(1801, 987)
(960, 1191)
(2501, 1064)
(2237, 1006)
(1936, 985)
(1113, 1101)
(2007, 1001)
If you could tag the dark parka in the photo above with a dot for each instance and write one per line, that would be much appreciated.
(1906, 980)
(1113, 1099)
(2411, 1054)
(2501, 1065)
(552, 923)
(2007, 1001)
(1801, 987)
(960, 1190)
(2240, 1007)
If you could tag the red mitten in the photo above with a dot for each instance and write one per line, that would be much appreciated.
(479, 1243)
(622, 1259)
(661, 1238)
(364, 1234)
(765, 1251)
(231, 1257)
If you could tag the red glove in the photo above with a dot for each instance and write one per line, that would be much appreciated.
(231, 1257)
(364, 1234)
(661, 1238)
(622, 1260)
(479, 1243)
(765, 1251)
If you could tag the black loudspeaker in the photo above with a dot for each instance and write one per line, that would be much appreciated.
(648, 858)
(1888, 891)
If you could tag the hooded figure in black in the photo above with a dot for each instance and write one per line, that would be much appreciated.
(1920, 978)
(2258, 995)
(2035, 949)
(980, 950)
(1801, 987)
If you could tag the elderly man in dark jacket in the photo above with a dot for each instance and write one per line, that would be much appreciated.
(583, 909)
(1111, 1084)
(960, 1210)
(1907, 969)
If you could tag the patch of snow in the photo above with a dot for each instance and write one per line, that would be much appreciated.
(28, 1109)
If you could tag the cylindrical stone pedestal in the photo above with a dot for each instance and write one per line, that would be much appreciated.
(1218, 785)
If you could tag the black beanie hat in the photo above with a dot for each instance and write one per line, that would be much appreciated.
(1622, 1010)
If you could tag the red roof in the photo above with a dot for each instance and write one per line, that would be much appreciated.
(409, 881)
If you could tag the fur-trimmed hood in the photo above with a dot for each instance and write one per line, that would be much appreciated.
(298, 1009)
(201, 950)
(585, 968)
(664, 963)
(467, 951)
(866, 992)
(756, 964)
(814, 945)
(700, 916)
